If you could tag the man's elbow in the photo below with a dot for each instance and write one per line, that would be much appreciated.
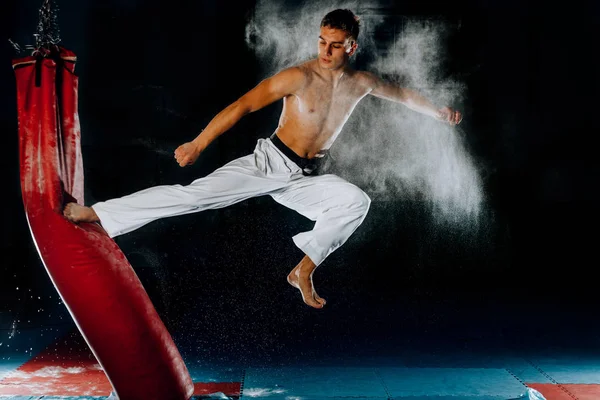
(241, 108)
(404, 96)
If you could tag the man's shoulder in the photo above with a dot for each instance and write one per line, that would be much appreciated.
(306, 67)
(298, 70)
(364, 75)
(290, 78)
(365, 78)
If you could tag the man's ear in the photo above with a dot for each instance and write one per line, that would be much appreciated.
(352, 49)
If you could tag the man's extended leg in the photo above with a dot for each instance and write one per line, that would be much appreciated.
(77, 213)
(338, 207)
(246, 177)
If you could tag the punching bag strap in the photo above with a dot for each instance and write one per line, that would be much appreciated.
(38, 70)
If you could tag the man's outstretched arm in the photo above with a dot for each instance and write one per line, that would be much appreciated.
(413, 100)
(266, 92)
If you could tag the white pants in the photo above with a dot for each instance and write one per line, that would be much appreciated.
(337, 206)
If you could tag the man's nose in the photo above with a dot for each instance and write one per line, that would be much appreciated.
(328, 50)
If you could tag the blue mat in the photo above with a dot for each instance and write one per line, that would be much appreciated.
(477, 383)
(382, 383)
(312, 383)
(571, 370)
(202, 373)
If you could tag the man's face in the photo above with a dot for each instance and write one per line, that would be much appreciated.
(335, 48)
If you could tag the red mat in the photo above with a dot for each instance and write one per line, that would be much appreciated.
(68, 368)
(567, 391)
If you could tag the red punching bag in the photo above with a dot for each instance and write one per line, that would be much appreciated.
(96, 282)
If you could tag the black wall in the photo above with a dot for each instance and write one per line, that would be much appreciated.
(152, 73)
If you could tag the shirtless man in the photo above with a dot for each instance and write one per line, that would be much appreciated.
(318, 97)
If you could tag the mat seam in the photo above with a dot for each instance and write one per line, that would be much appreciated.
(378, 375)
(541, 371)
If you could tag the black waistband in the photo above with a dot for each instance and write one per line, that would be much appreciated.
(309, 166)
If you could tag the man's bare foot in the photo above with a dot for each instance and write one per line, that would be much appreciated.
(301, 278)
(77, 213)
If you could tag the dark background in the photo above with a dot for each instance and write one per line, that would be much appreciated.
(152, 73)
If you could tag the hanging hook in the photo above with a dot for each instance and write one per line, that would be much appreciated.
(15, 46)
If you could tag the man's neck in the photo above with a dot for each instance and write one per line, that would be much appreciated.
(333, 75)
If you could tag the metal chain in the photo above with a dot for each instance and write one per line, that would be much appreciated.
(48, 33)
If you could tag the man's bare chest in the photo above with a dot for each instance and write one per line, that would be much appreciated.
(327, 99)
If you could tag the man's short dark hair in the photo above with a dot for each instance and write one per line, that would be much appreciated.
(344, 20)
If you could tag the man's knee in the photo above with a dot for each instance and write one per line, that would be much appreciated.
(358, 200)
